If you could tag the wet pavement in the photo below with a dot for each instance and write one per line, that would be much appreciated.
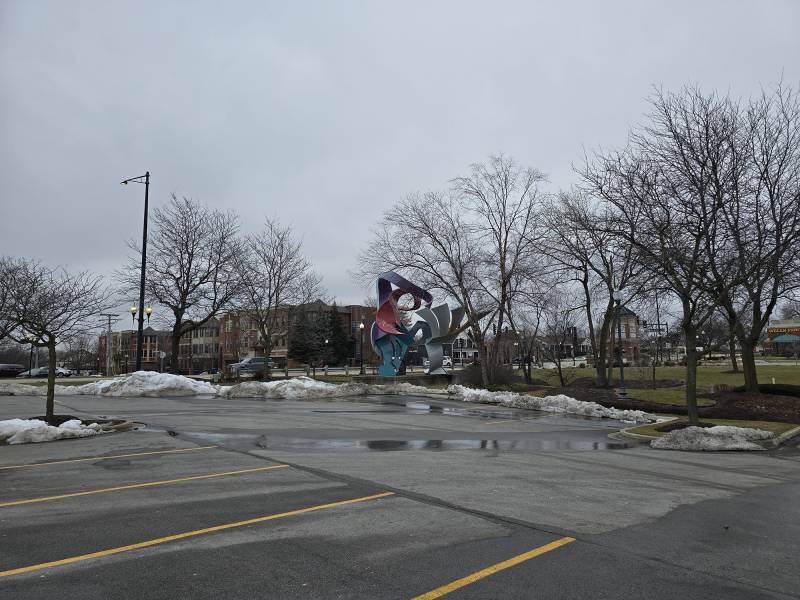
(386, 497)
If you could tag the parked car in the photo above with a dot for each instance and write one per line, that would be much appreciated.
(38, 372)
(447, 361)
(62, 372)
(252, 364)
(11, 370)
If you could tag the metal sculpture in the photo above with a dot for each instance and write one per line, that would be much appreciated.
(391, 338)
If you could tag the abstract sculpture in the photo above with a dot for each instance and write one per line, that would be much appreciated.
(391, 338)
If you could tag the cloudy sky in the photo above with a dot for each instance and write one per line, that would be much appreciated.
(324, 114)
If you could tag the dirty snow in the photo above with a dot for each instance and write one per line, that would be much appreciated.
(307, 388)
(557, 404)
(25, 431)
(142, 383)
(720, 437)
(148, 383)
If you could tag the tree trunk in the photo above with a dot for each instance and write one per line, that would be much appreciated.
(691, 375)
(603, 365)
(176, 348)
(51, 380)
(732, 346)
(749, 365)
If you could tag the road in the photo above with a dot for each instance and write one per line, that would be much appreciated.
(385, 497)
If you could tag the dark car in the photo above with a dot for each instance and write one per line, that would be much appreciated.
(40, 372)
(253, 364)
(11, 370)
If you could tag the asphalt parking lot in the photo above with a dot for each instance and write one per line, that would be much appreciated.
(384, 497)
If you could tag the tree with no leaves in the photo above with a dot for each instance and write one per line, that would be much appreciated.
(274, 274)
(51, 306)
(472, 243)
(582, 244)
(191, 259)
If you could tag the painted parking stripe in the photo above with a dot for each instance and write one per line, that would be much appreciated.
(189, 534)
(478, 575)
(94, 458)
(134, 486)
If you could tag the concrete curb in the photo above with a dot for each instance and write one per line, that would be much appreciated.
(639, 436)
(786, 435)
(770, 443)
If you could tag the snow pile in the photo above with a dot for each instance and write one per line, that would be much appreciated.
(141, 383)
(24, 431)
(307, 388)
(22, 389)
(557, 404)
(720, 437)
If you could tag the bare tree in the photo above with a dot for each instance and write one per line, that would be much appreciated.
(505, 200)
(756, 249)
(667, 227)
(430, 239)
(274, 274)
(191, 261)
(559, 324)
(50, 307)
(471, 243)
(583, 245)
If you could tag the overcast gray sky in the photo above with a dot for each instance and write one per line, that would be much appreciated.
(324, 114)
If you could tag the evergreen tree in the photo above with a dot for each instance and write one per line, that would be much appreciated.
(305, 341)
(339, 345)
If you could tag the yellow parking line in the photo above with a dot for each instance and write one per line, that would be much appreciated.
(459, 583)
(188, 534)
(74, 460)
(138, 485)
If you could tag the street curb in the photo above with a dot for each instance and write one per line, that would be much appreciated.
(770, 443)
(639, 436)
(785, 436)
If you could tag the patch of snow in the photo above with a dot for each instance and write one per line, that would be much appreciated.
(25, 431)
(22, 389)
(307, 388)
(141, 383)
(556, 404)
(719, 437)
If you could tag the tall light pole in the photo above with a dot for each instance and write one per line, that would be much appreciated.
(621, 393)
(361, 327)
(145, 179)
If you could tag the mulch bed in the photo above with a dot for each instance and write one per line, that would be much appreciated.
(633, 384)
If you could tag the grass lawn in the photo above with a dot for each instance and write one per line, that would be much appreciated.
(778, 428)
(674, 395)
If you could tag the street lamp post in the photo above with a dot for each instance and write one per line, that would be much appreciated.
(145, 179)
(361, 348)
(31, 339)
(621, 393)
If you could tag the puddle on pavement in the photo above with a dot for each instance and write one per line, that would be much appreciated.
(531, 444)
(414, 407)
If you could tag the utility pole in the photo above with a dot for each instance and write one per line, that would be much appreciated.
(109, 316)
(145, 179)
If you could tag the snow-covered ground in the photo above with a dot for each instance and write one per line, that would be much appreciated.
(558, 404)
(25, 431)
(720, 437)
(152, 384)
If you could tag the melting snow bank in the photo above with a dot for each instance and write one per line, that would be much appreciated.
(24, 431)
(305, 387)
(141, 383)
(719, 437)
(557, 404)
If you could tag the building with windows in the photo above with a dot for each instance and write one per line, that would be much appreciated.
(199, 349)
(239, 336)
(123, 350)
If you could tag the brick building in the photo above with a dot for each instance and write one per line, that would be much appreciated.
(123, 350)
